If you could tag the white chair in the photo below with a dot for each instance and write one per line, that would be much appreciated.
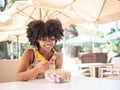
(85, 71)
(105, 71)
(111, 72)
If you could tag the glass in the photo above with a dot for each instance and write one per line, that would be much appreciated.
(58, 75)
(61, 76)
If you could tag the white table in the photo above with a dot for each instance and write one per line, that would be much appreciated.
(76, 83)
(93, 67)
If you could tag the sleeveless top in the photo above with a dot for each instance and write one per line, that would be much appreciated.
(38, 58)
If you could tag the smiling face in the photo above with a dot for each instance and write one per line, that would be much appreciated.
(46, 44)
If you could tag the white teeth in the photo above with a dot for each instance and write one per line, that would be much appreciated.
(47, 46)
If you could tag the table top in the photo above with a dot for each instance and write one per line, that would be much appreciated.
(94, 64)
(76, 83)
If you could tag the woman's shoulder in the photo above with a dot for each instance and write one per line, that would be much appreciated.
(58, 55)
(29, 52)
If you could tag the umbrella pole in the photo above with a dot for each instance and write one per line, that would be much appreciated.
(96, 34)
(12, 56)
(17, 46)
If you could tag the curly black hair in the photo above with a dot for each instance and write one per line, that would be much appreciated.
(39, 29)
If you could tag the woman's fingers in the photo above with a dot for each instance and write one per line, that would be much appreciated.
(45, 64)
(42, 66)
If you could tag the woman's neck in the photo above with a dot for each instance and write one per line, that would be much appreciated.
(46, 54)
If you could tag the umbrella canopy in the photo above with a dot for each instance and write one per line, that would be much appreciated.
(80, 40)
(67, 11)
(101, 11)
(4, 18)
(77, 41)
(22, 12)
(17, 36)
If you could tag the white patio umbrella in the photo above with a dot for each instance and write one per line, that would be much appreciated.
(16, 36)
(68, 11)
(22, 12)
(77, 41)
(80, 40)
(97, 11)
(101, 11)
(4, 18)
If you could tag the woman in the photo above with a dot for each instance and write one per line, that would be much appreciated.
(36, 61)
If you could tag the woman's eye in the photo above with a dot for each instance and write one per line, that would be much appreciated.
(43, 39)
(52, 39)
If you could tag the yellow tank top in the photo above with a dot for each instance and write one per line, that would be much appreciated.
(38, 58)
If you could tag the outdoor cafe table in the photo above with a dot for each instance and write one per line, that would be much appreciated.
(94, 67)
(76, 83)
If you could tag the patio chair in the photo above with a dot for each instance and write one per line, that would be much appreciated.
(87, 58)
(113, 71)
(93, 58)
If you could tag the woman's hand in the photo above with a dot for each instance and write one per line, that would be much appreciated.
(42, 66)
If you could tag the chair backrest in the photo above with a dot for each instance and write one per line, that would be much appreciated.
(8, 70)
(101, 57)
(94, 58)
(116, 64)
(116, 61)
(88, 58)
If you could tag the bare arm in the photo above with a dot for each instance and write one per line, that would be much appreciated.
(22, 72)
(59, 61)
